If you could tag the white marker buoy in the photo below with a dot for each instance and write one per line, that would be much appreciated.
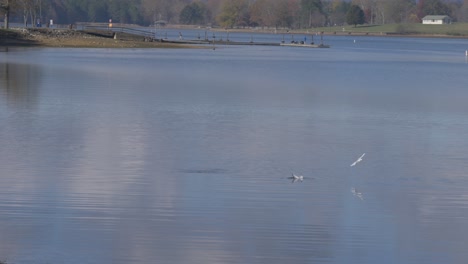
(466, 53)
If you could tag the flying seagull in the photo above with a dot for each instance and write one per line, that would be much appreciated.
(296, 178)
(358, 160)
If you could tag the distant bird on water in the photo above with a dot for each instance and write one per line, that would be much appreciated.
(296, 178)
(356, 193)
(358, 160)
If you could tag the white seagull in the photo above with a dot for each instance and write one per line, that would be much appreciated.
(356, 193)
(358, 160)
(296, 178)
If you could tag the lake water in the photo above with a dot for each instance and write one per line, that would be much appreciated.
(183, 155)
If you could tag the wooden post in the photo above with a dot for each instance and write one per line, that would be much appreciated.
(214, 37)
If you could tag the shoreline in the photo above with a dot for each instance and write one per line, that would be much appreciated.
(346, 33)
(66, 38)
(328, 32)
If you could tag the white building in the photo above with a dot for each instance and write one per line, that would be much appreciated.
(436, 20)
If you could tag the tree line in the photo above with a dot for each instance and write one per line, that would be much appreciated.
(290, 14)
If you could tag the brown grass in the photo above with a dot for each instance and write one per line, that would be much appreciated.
(77, 39)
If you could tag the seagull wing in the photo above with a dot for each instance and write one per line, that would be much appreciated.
(358, 160)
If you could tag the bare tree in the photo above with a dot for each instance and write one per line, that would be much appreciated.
(31, 9)
(234, 13)
(168, 10)
(5, 6)
(432, 7)
(463, 12)
(262, 13)
(395, 11)
(336, 11)
(370, 11)
(311, 9)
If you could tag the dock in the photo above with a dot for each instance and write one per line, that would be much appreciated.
(250, 43)
(218, 42)
(305, 45)
(136, 32)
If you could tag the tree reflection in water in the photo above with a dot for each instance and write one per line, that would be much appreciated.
(19, 84)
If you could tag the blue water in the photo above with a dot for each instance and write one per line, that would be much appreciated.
(183, 155)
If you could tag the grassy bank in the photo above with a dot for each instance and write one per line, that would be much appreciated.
(455, 30)
(415, 29)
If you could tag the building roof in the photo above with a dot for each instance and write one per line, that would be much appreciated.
(431, 17)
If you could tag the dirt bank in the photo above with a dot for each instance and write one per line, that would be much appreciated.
(76, 39)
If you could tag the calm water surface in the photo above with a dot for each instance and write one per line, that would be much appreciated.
(183, 156)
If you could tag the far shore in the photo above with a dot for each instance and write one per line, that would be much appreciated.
(411, 30)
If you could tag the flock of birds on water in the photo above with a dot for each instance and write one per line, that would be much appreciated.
(356, 193)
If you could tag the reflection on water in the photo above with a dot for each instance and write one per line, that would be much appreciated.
(18, 84)
(184, 156)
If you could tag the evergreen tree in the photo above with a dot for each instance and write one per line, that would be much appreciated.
(355, 16)
(311, 7)
(193, 14)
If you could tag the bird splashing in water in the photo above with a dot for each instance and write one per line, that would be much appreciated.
(296, 178)
(357, 193)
